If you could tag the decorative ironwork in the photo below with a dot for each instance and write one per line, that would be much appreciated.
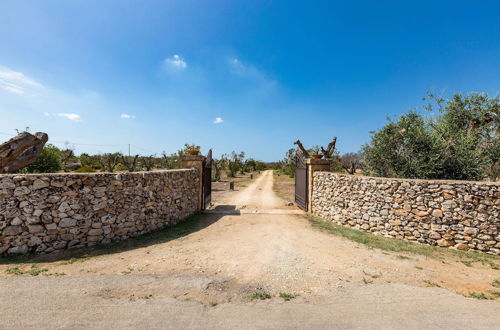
(207, 180)
(301, 180)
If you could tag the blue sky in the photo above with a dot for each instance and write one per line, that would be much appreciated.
(234, 75)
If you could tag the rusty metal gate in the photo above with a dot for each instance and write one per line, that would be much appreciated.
(301, 180)
(207, 180)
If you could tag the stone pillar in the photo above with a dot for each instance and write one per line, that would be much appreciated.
(314, 165)
(196, 162)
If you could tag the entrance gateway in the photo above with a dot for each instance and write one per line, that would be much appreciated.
(301, 180)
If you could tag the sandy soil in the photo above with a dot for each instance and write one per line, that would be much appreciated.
(232, 257)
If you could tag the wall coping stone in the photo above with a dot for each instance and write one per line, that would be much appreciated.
(430, 181)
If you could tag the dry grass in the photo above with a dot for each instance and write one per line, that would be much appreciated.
(284, 186)
(240, 180)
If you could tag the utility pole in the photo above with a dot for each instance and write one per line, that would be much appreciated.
(129, 149)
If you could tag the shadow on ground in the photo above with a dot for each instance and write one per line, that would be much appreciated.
(190, 225)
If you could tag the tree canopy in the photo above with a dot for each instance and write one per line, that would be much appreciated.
(456, 139)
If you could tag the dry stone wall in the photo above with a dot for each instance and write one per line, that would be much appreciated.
(463, 215)
(46, 212)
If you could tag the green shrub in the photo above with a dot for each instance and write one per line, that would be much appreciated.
(459, 142)
(48, 162)
(85, 169)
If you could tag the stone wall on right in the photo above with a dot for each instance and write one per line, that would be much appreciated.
(460, 214)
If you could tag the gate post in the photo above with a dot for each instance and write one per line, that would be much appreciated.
(312, 166)
(196, 162)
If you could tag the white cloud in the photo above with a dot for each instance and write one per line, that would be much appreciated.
(71, 116)
(126, 116)
(16, 82)
(176, 62)
(46, 114)
(218, 120)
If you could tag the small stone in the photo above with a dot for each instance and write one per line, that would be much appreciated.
(16, 221)
(445, 243)
(31, 220)
(434, 235)
(34, 241)
(95, 232)
(21, 191)
(461, 246)
(437, 213)
(37, 212)
(469, 231)
(64, 207)
(39, 184)
(51, 226)
(421, 213)
(67, 222)
(12, 230)
(35, 229)
(23, 249)
(7, 184)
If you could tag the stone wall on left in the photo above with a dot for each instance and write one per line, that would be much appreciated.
(42, 213)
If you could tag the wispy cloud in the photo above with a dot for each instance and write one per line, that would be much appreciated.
(176, 62)
(71, 116)
(16, 82)
(126, 116)
(218, 120)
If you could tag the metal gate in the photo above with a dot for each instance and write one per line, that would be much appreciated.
(301, 180)
(207, 180)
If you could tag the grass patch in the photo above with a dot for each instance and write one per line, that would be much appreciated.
(82, 258)
(213, 303)
(258, 296)
(128, 271)
(35, 271)
(403, 257)
(393, 245)
(480, 296)
(468, 263)
(419, 268)
(496, 283)
(367, 281)
(287, 296)
(431, 284)
(14, 271)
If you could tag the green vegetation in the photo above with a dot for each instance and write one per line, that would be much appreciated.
(460, 140)
(480, 296)
(388, 244)
(49, 161)
(14, 271)
(431, 284)
(259, 295)
(85, 169)
(496, 283)
(81, 258)
(287, 296)
(54, 159)
(33, 271)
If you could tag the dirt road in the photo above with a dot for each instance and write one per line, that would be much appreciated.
(215, 276)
